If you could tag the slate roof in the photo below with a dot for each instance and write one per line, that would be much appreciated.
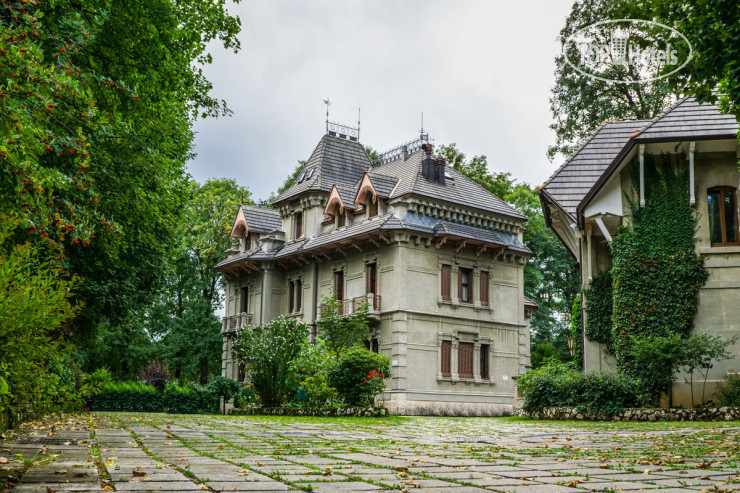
(262, 220)
(387, 222)
(334, 161)
(458, 190)
(383, 184)
(578, 174)
(687, 119)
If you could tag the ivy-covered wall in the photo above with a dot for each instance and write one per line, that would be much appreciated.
(656, 274)
(599, 309)
(576, 331)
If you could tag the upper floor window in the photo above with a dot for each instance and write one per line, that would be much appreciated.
(339, 284)
(484, 288)
(723, 224)
(298, 225)
(465, 359)
(446, 281)
(295, 292)
(465, 285)
(371, 278)
(243, 300)
(340, 217)
(372, 208)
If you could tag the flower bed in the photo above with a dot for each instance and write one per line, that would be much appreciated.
(640, 414)
(311, 411)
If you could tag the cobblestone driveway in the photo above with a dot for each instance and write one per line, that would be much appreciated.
(162, 453)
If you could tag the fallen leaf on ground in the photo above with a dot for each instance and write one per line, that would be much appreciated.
(139, 473)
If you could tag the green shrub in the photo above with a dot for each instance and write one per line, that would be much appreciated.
(267, 353)
(556, 384)
(245, 397)
(359, 376)
(311, 367)
(728, 391)
(139, 397)
(224, 388)
(98, 380)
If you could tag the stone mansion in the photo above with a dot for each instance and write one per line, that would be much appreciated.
(439, 260)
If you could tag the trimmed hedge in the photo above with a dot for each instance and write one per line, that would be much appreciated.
(139, 397)
(559, 385)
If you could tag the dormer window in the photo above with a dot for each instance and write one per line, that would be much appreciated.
(297, 225)
(340, 219)
(372, 208)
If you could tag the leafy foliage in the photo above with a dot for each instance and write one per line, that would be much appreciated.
(656, 277)
(579, 104)
(699, 353)
(267, 353)
(139, 397)
(728, 391)
(599, 308)
(358, 376)
(342, 331)
(576, 332)
(312, 368)
(556, 384)
(34, 312)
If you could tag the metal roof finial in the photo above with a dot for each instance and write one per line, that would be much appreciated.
(358, 123)
(327, 103)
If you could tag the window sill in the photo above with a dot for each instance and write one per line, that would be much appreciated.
(718, 250)
(476, 306)
(294, 314)
(475, 381)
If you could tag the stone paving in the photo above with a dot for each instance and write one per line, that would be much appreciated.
(164, 453)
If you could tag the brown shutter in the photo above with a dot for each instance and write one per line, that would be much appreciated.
(446, 281)
(243, 299)
(298, 295)
(446, 358)
(465, 360)
(484, 373)
(459, 285)
(484, 288)
(290, 297)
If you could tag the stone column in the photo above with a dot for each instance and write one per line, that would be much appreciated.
(267, 301)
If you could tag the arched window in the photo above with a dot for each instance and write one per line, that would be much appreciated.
(723, 225)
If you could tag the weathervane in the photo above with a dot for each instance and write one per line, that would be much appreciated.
(422, 135)
(327, 103)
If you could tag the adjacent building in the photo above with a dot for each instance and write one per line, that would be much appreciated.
(584, 203)
(437, 257)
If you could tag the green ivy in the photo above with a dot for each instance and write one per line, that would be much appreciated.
(576, 331)
(656, 274)
(599, 307)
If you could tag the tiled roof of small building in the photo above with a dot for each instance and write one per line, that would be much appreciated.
(262, 220)
(458, 189)
(688, 119)
(575, 177)
(335, 161)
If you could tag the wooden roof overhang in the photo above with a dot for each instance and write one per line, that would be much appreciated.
(481, 246)
(237, 268)
(343, 247)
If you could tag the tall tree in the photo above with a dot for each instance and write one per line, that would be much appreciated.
(579, 104)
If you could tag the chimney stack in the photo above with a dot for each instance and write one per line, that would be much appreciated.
(440, 170)
(428, 163)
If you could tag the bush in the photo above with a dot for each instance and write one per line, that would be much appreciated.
(155, 373)
(139, 397)
(245, 397)
(556, 384)
(224, 388)
(311, 367)
(267, 353)
(728, 391)
(359, 376)
(98, 380)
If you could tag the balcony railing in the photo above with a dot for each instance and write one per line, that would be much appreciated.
(351, 305)
(233, 322)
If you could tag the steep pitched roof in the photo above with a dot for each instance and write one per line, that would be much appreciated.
(570, 183)
(335, 161)
(688, 119)
(262, 220)
(458, 188)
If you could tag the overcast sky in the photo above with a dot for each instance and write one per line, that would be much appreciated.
(481, 72)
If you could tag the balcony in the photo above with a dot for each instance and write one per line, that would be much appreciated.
(233, 322)
(352, 305)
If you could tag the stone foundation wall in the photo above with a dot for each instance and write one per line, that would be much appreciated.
(705, 414)
(438, 408)
(283, 411)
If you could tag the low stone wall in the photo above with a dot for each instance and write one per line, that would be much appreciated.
(301, 411)
(441, 408)
(639, 414)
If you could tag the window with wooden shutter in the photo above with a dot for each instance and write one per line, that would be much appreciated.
(484, 288)
(464, 288)
(243, 300)
(465, 360)
(298, 225)
(298, 295)
(339, 284)
(446, 281)
(446, 358)
(484, 357)
(290, 297)
(371, 278)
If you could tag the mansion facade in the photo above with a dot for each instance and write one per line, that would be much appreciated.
(438, 259)
(585, 201)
